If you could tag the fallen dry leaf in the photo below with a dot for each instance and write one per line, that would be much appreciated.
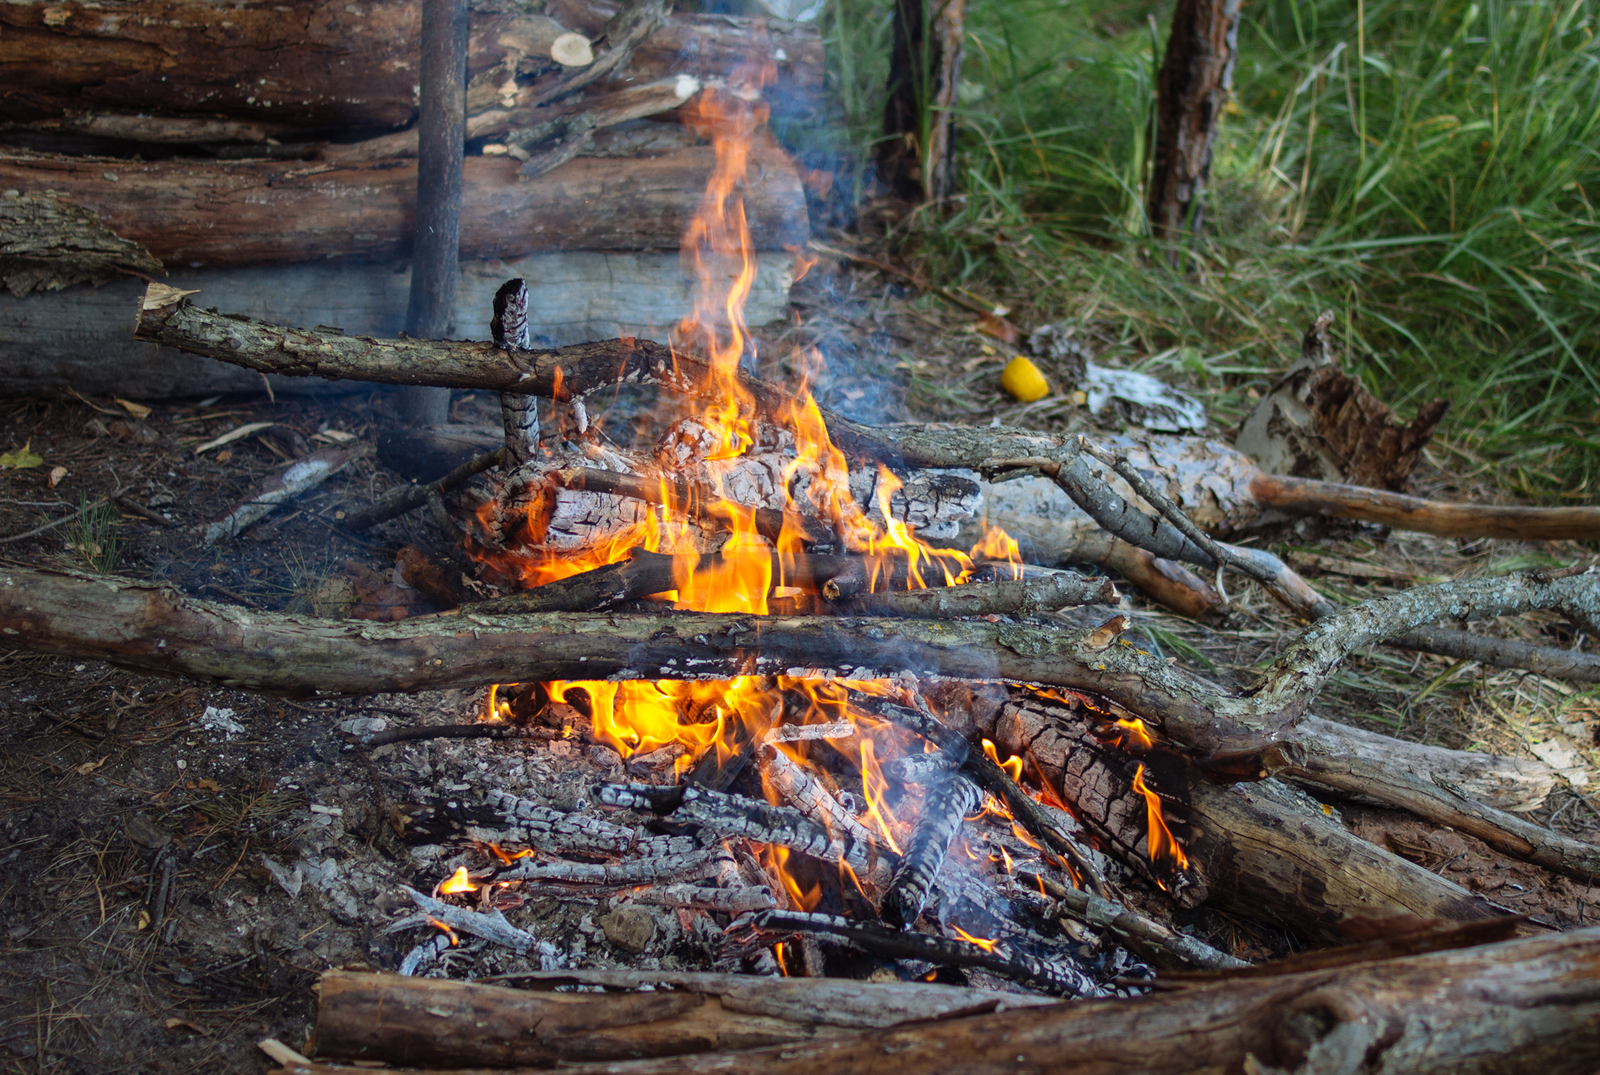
(21, 459)
(138, 410)
(232, 435)
(56, 474)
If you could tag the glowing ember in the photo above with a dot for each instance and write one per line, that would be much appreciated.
(1135, 734)
(445, 928)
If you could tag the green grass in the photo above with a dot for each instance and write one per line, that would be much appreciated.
(97, 535)
(1428, 170)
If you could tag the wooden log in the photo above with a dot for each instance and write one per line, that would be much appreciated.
(320, 63)
(1520, 1007)
(220, 213)
(78, 339)
(149, 626)
(427, 1021)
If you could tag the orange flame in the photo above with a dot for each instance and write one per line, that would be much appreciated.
(996, 544)
(986, 945)
(1163, 846)
(458, 882)
(1135, 733)
(1012, 765)
(873, 785)
(776, 859)
(445, 926)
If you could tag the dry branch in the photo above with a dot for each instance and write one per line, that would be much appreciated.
(149, 627)
(1222, 489)
(1521, 1007)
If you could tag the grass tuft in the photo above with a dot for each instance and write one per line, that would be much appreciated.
(1428, 170)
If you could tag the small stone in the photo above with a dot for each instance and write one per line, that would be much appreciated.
(629, 929)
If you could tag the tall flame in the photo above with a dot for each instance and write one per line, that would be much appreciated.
(1163, 846)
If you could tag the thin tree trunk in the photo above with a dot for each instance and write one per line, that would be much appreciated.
(435, 252)
(1195, 79)
(916, 160)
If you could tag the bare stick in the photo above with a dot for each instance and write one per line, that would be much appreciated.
(411, 497)
(1022, 597)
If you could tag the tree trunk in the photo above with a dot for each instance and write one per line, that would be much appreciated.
(916, 161)
(1521, 1007)
(435, 250)
(318, 64)
(1195, 79)
(252, 212)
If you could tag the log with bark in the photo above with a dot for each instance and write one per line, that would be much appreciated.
(221, 213)
(1248, 736)
(431, 1022)
(318, 64)
(1521, 1006)
(1260, 850)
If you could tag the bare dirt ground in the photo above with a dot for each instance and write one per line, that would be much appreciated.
(180, 862)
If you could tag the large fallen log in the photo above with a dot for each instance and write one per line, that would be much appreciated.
(319, 64)
(1248, 736)
(1523, 1006)
(429, 1022)
(220, 213)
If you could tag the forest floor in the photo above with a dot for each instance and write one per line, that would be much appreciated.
(181, 861)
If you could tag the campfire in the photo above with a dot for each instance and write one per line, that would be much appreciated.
(794, 697)
(805, 805)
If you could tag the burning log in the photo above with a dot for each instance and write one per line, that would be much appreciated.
(1524, 1007)
(730, 815)
(490, 925)
(795, 784)
(1056, 978)
(948, 802)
